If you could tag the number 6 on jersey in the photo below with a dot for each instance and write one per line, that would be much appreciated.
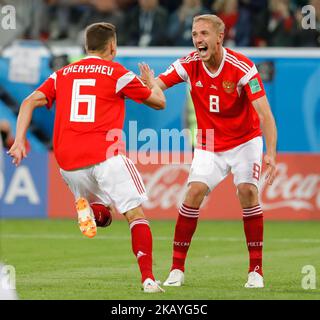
(78, 98)
(214, 103)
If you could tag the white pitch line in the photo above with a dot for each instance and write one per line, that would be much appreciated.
(159, 238)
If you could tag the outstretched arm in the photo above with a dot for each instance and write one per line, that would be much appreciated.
(161, 84)
(18, 149)
(269, 130)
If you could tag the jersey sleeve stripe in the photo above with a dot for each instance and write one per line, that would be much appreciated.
(54, 77)
(124, 80)
(195, 56)
(237, 65)
(181, 71)
(236, 60)
(245, 79)
(189, 59)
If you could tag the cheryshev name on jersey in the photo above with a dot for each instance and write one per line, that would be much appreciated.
(91, 68)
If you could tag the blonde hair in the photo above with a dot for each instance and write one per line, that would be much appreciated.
(217, 23)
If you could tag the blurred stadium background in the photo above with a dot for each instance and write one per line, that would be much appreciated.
(49, 34)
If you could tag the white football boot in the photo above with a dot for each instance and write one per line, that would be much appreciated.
(255, 280)
(151, 286)
(175, 279)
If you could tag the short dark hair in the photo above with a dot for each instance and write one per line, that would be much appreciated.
(97, 35)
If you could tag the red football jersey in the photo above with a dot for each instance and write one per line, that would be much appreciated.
(90, 101)
(222, 101)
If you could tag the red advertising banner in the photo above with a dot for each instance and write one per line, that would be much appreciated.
(61, 203)
(294, 195)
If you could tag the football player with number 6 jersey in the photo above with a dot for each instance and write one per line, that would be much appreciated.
(228, 97)
(90, 107)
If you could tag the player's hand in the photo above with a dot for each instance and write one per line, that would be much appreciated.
(270, 161)
(17, 152)
(147, 75)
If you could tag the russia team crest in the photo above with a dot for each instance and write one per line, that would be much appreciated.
(228, 86)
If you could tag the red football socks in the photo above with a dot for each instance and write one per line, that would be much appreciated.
(185, 228)
(141, 238)
(253, 228)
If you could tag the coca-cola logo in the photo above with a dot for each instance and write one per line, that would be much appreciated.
(167, 186)
(296, 191)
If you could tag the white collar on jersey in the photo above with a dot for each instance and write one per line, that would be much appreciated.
(92, 57)
(214, 75)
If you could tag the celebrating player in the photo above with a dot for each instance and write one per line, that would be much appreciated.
(229, 97)
(90, 107)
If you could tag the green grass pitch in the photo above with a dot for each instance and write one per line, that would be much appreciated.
(53, 260)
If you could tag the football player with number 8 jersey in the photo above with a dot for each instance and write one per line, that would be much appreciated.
(90, 107)
(228, 97)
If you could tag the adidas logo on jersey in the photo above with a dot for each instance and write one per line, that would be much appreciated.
(199, 84)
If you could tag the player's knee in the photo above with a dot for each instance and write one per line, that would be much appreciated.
(195, 195)
(134, 214)
(248, 192)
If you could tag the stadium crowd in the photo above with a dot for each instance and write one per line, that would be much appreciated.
(168, 22)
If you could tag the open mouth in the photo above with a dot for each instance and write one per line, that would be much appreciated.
(203, 49)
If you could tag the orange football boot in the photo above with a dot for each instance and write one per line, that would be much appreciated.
(86, 221)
